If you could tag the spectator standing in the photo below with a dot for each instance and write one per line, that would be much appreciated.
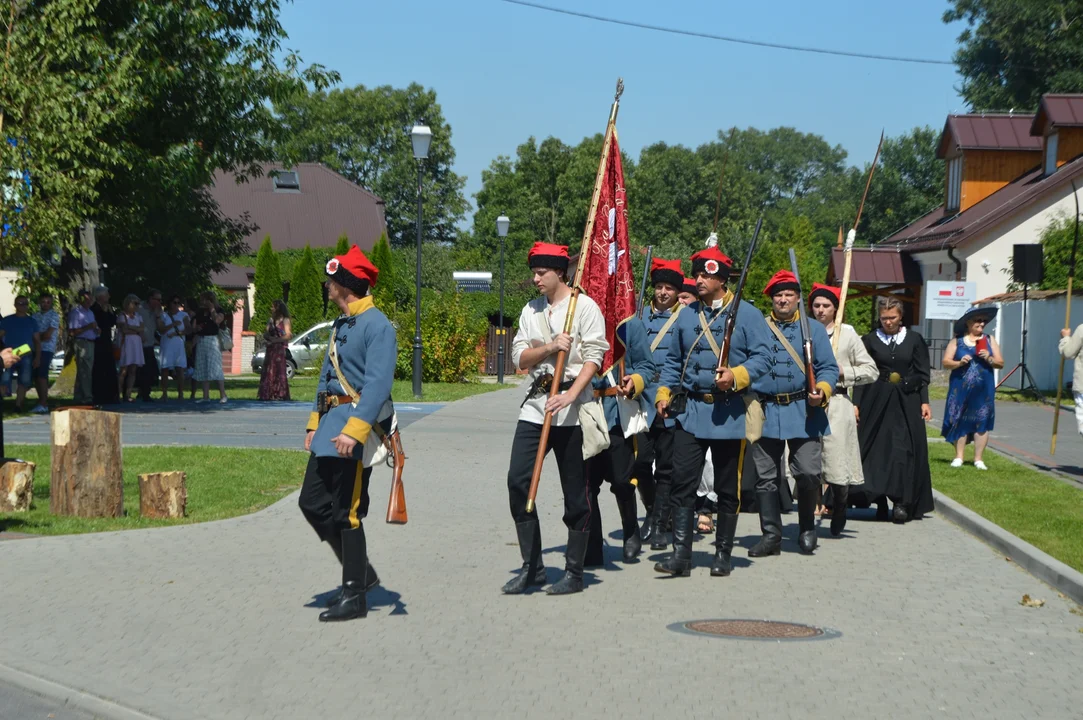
(273, 383)
(130, 334)
(7, 361)
(83, 329)
(971, 410)
(173, 326)
(19, 330)
(1070, 345)
(208, 321)
(48, 322)
(150, 314)
(105, 362)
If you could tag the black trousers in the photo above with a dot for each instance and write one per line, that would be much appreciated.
(654, 461)
(689, 454)
(614, 465)
(334, 494)
(147, 376)
(567, 445)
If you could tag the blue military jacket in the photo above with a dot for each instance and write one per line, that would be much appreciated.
(654, 321)
(637, 362)
(724, 417)
(366, 347)
(796, 419)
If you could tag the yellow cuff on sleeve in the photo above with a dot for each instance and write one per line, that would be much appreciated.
(663, 395)
(826, 390)
(313, 422)
(741, 380)
(357, 429)
(637, 380)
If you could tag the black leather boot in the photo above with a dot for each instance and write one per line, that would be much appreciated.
(660, 517)
(626, 503)
(352, 604)
(649, 492)
(680, 562)
(595, 556)
(572, 582)
(770, 525)
(371, 579)
(533, 572)
(808, 494)
(840, 494)
(724, 534)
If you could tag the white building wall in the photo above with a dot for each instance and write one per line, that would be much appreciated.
(7, 291)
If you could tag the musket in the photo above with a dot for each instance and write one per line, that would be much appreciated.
(848, 252)
(806, 340)
(735, 304)
(396, 501)
(646, 277)
(562, 356)
(1067, 322)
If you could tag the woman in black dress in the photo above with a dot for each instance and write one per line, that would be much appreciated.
(104, 375)
(892, 412)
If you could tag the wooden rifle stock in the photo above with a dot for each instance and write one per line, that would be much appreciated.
(396, 502)
(735, 304)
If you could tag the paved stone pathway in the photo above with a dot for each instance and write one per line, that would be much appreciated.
(219, 620)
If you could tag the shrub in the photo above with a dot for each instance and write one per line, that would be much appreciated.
(383, 293)
(268, 285)
(306, 295)
(451, 339)
(343, 245)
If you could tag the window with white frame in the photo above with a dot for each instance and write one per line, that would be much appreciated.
(955, 182)
(1051, 153)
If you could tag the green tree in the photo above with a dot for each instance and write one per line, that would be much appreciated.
(343, 245)
(773, 254)
(1013, 51)
(908, 183)
(383, 294)
(127, 108)
(364, 134)
(268, 284)
(306, 296)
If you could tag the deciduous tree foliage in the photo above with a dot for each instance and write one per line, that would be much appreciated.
(1014, 51)
(364, 134)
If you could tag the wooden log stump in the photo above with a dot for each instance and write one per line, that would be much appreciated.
(16, 486)
(87, 471)
(163, 495)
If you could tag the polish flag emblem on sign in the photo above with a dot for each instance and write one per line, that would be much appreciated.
(943, 293)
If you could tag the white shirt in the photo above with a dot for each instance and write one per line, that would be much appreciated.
(886, 339)
(588, 345)
(45, 321)
(150, 325)
(180, 326)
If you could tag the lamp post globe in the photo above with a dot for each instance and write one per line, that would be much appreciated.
(502, 224)
(420, 138)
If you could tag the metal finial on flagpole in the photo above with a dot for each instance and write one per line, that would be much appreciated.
(620, 89)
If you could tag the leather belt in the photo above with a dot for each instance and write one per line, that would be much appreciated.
(840, 390)
(786, 398)
(336, 400)
(608, 392)
(706, 397)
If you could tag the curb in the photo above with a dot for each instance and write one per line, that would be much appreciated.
(1039, 564)
(96, 706)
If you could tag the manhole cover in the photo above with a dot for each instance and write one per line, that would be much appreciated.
(754, 630)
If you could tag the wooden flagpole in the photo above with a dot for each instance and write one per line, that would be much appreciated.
(1067, 323)
(588, 231)
(848, 253)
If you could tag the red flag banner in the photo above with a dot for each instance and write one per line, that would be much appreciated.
(607, 268)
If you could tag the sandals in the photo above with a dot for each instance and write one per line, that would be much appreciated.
(705, 523)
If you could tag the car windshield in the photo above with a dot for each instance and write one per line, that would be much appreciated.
(318, 336)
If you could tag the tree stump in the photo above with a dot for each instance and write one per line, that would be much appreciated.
(16, 486)
(87, 475)
(163, 495)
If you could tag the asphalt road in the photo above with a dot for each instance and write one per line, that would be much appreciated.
(18, 704)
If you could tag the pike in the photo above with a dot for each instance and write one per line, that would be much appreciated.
(806, 333)
(562, 356)
(848, 253)
(731, 315)
(1067, 322)
(646, 278)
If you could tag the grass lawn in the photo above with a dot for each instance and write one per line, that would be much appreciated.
(222, 483)
(1012, 395)
(1040, 509)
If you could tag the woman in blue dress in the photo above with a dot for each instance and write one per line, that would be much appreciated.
(969, 413)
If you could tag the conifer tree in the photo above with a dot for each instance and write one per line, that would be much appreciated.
(268, 285)
(306, 296)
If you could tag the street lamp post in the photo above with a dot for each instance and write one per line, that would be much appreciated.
(420, 137)
(502, 223)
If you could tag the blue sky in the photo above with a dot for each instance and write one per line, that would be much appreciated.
(503, 72)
